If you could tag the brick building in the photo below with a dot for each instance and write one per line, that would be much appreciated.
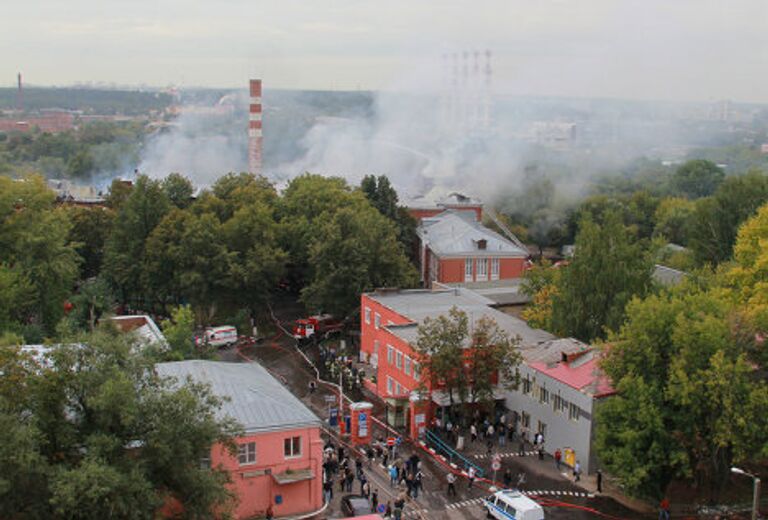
(279, 460)
(563, 370)
(455, 247)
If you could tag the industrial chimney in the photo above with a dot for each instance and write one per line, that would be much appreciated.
(20, 96)
(254, 128)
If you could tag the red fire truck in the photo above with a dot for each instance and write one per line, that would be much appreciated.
(318, 325)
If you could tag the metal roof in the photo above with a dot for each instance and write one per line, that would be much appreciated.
(457, 233)
(252, 396)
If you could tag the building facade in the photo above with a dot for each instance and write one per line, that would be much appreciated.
(279, 459)
(454, 247)
(560, 380)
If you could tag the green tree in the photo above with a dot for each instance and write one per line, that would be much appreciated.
(608, 269)
(138, 216)
(80, 165)
(33, 239)
(93, 299)
(440, 351)
(178, 189)
(179, 331)
(90, 229)
(493, 357)
(382, 195)
(697, 178)
(119, 191)
(96, 434)
(672, 220)
(355, 250)
(716, 219)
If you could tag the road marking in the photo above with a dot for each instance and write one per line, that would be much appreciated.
(506, 454)
(553, 492)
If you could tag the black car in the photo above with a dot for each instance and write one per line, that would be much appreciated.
(355, 505)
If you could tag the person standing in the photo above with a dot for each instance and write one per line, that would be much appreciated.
(392, 476)
(664, 509)
(507, 478)
(471, 477)
(388, 510)
(599, 481)
(375, 501)
(502, 435)
(451, 484)
(577, 471)
(270, 514)
(417, 483)
(328, 489)
(558, 458)
(473, 433)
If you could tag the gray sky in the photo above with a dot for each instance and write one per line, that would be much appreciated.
(660, 49)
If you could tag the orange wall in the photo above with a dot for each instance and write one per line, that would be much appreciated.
(511, 268)
(451, 270)
(256, 490)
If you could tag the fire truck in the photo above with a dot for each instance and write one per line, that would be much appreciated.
(316, 326)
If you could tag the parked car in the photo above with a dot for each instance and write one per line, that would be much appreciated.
(355, 505)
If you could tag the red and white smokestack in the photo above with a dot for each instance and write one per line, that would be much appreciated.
(254, 128)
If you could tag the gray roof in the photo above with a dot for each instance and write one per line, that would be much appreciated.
(255, 399)
(417, 305)
(667, 276)
(456, 233)
(503, 292)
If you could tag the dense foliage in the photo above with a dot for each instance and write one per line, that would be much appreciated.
(89, 431)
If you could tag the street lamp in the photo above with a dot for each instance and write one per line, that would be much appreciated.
(755, 489)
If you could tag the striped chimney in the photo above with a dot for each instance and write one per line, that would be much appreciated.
(254, 128)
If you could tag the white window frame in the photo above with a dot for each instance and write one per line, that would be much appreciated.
(246, 453)
(368, 315)
(377, 320)
(481, 266)
(374, 359)
(469, 266)
(573, 412)
(407, 367)
(399, 359)
(390, 355)
(495, 268)
(295, 440)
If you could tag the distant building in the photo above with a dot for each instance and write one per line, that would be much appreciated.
(561, 384)
(279, 459)
(52, 122)
(454, 247)
(146, 330)
(70, 193)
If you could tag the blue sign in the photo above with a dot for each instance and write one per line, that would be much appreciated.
(362, 424)
(382, 508)
(399, 441)
(333, 418)
(278, 499)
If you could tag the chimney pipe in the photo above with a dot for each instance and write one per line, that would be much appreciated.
(20, 95)
(254, 128)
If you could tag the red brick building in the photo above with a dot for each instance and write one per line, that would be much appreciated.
(455, 247)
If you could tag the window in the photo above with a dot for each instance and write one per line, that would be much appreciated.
(390, 323)
(377, 320)
(246, 453)
(367, 315)
(390, 354)
(542, 429)
(205, 462)
(482, 268)
(407, 366)
(375, 355)
(468, 270)
(416, 370)
(390, 386)
(398, 389)
(543, 395)
(526, 420)
(563, 405)
(573, 412)
(494, 268)
(399, 360)
(292, 447)
(556, 403)
(526, 386)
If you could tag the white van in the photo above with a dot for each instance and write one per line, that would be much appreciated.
(510, 504)
(223, 336)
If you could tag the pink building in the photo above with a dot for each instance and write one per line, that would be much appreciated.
(280, 458)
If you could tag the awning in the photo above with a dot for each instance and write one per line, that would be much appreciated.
(294, 475)
(441, 398)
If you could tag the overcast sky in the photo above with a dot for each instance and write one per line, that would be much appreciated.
(658, 49)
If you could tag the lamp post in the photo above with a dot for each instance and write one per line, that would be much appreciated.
(755, 490)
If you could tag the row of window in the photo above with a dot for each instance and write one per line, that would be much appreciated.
(395, 388)
(376, 318)
(481, 265)
(525, 420)
(246, 452)
(559, 404)
(404, 363)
